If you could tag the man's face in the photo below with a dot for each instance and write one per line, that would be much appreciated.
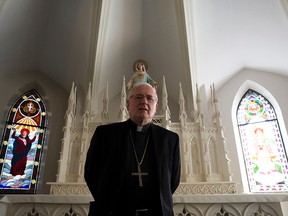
(142, 104)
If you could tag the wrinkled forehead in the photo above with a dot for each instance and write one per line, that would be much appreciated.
(143, 88)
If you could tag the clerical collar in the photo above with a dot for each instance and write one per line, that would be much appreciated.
(138, 128)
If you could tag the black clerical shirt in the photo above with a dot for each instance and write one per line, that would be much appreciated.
(134, 195)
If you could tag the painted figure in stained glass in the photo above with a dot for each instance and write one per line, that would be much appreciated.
(20, 157)
(266, 169)
(21, 147)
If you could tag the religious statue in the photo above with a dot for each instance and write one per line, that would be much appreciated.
(140, 75)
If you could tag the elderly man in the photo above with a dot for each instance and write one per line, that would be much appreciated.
(133, 167)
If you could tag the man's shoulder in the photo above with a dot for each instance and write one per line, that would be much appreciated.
(113, 125)
(161, 129)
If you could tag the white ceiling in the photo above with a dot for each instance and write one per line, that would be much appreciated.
(56, 38)
(231, 35)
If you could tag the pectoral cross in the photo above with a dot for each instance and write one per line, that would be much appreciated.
(140, 174)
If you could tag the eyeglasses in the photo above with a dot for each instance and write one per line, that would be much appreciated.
(140, 97)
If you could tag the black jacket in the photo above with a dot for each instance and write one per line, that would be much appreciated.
(107, 159)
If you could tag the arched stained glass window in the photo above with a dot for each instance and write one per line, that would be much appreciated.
(22, 144)
(262, 144)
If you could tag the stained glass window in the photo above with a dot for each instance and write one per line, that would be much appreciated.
(263, 148)
(22, 144)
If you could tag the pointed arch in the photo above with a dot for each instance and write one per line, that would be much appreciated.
(260, 140)
(74, 157)
(195, 151)
(22, 144)
(214, 160)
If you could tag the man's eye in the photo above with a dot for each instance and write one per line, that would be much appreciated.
(150, 98)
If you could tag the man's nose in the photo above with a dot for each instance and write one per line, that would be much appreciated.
(144, 99)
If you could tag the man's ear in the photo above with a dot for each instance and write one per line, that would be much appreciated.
(127, 105)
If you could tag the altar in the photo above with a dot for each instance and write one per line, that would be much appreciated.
(196, 205)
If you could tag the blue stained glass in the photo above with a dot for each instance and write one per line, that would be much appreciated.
(22, 144)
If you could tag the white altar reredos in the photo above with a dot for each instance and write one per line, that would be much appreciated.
(206, 181)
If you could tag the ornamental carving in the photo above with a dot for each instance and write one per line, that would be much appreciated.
(67, 189)
(221, 188)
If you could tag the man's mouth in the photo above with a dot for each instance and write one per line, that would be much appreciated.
(143, 109)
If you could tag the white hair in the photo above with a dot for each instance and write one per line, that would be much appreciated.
(144, 83)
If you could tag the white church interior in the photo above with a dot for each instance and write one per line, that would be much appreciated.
(222, 73)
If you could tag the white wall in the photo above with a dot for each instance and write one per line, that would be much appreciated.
(230, 35)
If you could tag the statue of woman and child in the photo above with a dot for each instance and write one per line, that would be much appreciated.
(140, 75)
